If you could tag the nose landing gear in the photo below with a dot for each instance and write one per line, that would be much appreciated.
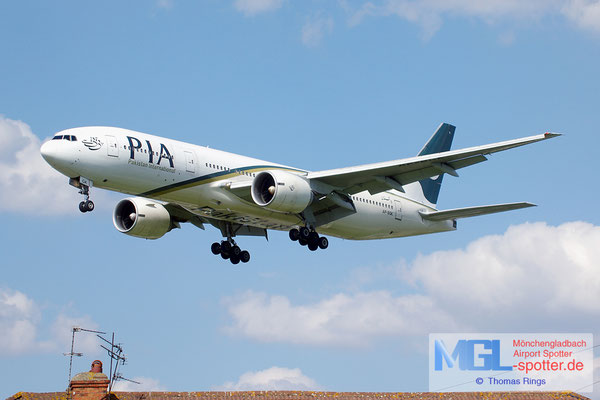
(310, 238)
(86, 206)
(228, 249)
(84, 185)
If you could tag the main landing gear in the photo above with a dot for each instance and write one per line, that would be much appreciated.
(310, 238)
(229, 250)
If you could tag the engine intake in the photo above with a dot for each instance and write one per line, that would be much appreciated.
(281, 191)
(139, 217)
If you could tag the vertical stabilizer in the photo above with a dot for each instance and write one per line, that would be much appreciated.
(428, 189)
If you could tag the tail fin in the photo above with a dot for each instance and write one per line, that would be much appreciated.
(428, 189)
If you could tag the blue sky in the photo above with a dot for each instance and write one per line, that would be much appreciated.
(315, 85)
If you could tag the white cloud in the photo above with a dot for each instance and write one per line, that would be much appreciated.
(587, 391)
(20, 327)
(429, 14)
(19, 316)
(27, 183)
(533, 277)
(314, 29)
(584, 13)
(533, 274)
(145, 385)
(339, 320)
(253, 7)
(85, 342)
(274, 378)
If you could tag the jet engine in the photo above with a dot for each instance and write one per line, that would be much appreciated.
(136, 216)
(281, 191)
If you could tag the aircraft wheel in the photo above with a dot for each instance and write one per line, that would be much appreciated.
(89, 205)
(312, 246)
(302, 242)
(215, 248)
(82, 207)
(313, 237)
(244, 256)
(224, 254)
(323, 242)
(294, 234)
(235, 259)
(235, 251)
(304, 233)
(225, 247)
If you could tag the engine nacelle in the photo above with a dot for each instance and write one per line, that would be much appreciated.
(136, 216)
(281, 191)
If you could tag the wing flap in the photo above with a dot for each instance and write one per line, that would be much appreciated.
(467, 212)
(235, 229)
(179, 213)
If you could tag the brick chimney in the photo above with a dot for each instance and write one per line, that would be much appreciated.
(91, 385)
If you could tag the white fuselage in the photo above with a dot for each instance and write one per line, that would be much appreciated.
(198, 178)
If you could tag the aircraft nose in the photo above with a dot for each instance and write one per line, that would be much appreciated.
(49, 151)
(60, 156)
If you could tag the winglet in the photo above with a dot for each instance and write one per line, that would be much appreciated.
(549, 135)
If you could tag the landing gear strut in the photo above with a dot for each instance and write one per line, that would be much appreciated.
(310, 238)
(229, 250)
(84, 186)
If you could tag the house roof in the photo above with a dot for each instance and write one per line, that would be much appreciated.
(308, 395)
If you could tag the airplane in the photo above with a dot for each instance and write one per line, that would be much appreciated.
(175, 182)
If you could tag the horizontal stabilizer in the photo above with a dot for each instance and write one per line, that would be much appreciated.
(472, 211)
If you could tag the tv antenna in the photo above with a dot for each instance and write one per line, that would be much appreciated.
(72, 353)
(116, 354)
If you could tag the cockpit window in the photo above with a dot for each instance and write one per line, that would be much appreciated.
(70, 138)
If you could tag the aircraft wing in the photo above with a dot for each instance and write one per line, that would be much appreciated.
(180, 214)
(467, 212)
(379, 177)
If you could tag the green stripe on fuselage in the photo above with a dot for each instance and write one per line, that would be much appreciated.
(216, 176)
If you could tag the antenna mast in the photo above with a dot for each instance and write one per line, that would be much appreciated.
(73, 353)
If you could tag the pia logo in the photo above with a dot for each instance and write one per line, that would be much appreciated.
(92, 143)
(467, 352)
